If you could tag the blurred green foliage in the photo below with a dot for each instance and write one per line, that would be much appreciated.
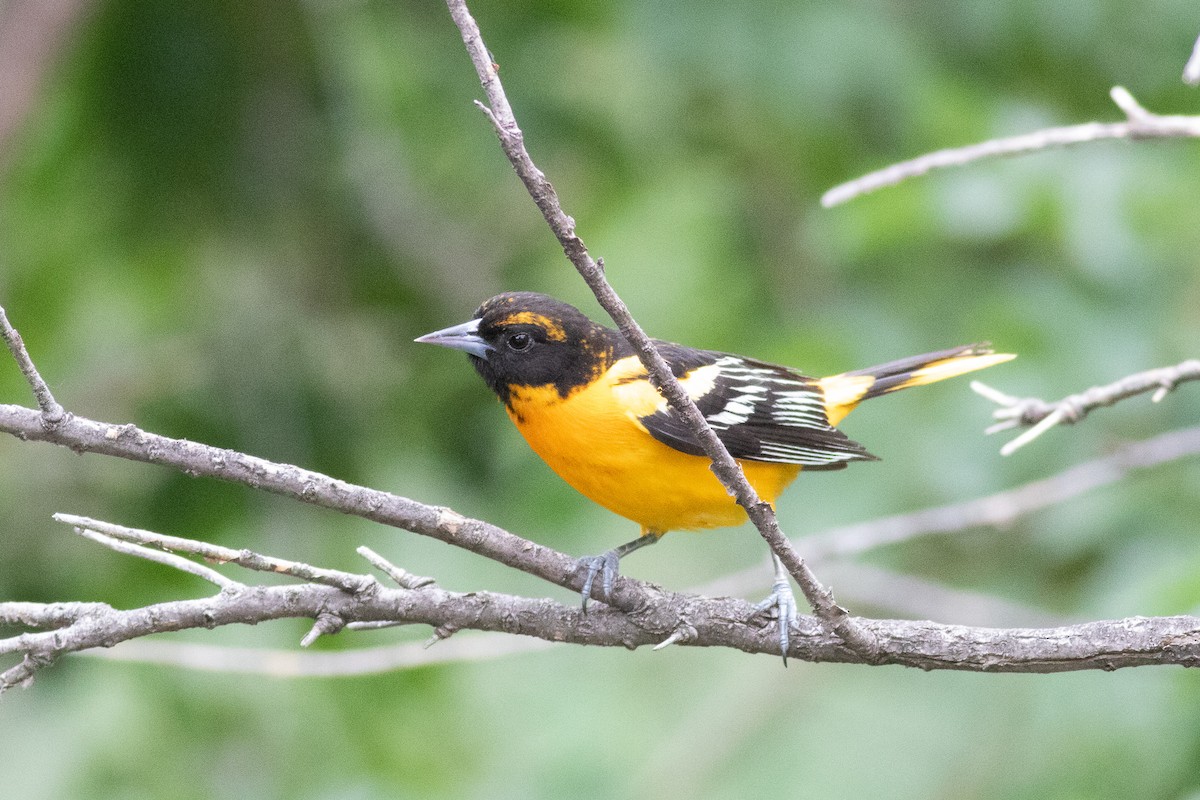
(226, 221)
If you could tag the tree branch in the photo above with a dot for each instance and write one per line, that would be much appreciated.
(52, 412)
(708, 623)
(336, 600)
(1004, 508)
(1043, 416)
(1139, 124)
(724, 466)
(192, 458)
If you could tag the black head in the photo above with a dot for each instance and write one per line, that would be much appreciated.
(528, 339)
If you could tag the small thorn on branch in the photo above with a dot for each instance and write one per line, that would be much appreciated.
(326, 624)
(1125, 101)
(402, 577)
(440, 633)
(1191, 71)
(682, 634)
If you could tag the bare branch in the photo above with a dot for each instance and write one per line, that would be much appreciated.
(225, 555)
(128, 441)
(45, 615)
(157, 556)
(917, 598)
(1105, 645)
(402, 577)
(727, 470)
(1139, 124)
(1004, 508)
(52, 412)
(1043, 416)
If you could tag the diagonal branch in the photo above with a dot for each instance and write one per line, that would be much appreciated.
(1042, 416)
(727, 470)
(120, 545)
(143, 540)
(192, 458)
(1004, 508)
(52, 412)
(1139, 124)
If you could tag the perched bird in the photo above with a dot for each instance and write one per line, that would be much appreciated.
(581, 398)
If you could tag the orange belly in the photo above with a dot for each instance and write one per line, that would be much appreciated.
(593, 440)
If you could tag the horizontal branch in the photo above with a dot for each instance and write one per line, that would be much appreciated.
(1042, 416)
(1136, 641)
(1139, 124)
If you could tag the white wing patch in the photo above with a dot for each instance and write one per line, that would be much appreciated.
(761, 412)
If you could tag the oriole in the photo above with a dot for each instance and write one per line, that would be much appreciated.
(582, 400)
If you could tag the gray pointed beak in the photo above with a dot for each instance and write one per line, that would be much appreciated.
(460, 337)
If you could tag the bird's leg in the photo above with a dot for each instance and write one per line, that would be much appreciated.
(608, 565)
(783, 601)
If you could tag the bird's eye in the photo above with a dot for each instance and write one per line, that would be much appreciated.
(520, 341)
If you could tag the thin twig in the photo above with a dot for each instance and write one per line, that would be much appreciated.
(401, 576)
(1042, 416)
(913, 597)
(1139, 124)
(52, 412)
(346, 581)
(1005, 508)
(157, 556)
(727, 470)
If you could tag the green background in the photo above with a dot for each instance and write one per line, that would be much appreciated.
(226, 222)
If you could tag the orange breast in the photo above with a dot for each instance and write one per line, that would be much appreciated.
(593, 440)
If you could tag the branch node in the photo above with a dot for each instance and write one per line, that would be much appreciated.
(326, 624)
(53, 414)
(1125, 101)
(1191, 71)
(403, 578)
(440, 633)
(685, 632)
(1043, 416)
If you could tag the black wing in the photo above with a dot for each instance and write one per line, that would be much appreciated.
(762, 412)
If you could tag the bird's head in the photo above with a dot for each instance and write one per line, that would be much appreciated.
(522, 339)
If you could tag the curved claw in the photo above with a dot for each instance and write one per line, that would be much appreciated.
(607, 565)
(781, 601)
